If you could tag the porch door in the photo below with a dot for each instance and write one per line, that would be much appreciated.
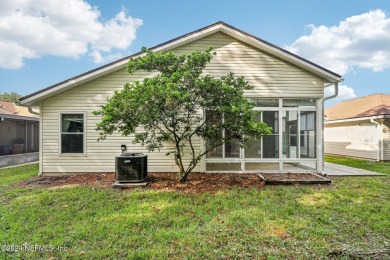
(290, 134)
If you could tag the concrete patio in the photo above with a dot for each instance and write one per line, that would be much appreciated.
(332, 169)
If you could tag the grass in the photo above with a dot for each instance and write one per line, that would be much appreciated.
(381, 167)
(306, 222)
(15, 174)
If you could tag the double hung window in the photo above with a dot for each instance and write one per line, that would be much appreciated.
(72, 134)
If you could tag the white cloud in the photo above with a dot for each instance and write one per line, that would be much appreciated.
(33, 28)
(361, 41)
(344, 93)
(97, 57)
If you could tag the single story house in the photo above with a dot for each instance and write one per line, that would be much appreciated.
(359, 128)
(288, 88)
(19, 134)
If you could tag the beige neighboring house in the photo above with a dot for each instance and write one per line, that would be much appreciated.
(359, 128)
(288, 88)
(19, 134)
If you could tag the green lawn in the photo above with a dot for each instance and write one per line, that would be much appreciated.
(381, 167)
(345, 219)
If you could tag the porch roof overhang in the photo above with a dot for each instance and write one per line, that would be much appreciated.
(327, 75)
(19, 117)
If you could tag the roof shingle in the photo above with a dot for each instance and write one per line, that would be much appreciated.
(372, 105)
(11, 109)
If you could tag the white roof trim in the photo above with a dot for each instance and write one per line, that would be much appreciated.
(218, 27)
(27, 118)
(356, 119)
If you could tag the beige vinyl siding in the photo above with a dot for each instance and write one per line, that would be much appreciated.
(386, 139)
(271, 76)
(100, 156)
(352, 139)
(340, 148)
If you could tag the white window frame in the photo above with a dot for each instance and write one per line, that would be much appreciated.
(84, 153)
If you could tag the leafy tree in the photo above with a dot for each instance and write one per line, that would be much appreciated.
(169, 107)
(10, 97)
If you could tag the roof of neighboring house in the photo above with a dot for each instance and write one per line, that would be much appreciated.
(11, 110)
(372, 105)
(227, 29)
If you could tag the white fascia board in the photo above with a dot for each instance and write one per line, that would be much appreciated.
(26, 118)
(356, 119)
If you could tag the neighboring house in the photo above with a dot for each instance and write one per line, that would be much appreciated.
(19, 134)
(359, 128)
(288, 88)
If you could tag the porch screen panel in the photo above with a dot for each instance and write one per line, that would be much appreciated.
(271, 141)
(268, 146)
(253, 145)
(232, 148)
(308, 134)
(212, 118)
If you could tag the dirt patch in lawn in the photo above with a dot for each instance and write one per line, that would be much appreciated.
(197, 182)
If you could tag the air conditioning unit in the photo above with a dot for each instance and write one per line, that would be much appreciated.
(131, 167)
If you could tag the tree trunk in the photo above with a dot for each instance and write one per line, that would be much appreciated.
(180, 165)
(184, 177)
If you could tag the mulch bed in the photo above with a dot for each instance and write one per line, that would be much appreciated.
(197, 182)
(204, 182)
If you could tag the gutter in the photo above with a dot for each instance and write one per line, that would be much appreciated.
(30, 109)
(379, 117)
(379, 123)
(27, 118)
(336, 92)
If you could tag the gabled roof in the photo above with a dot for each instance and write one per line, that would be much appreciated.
(372, 105)
(227, 29)
(11, 110)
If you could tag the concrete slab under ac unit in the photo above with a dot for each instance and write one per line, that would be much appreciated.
(129, 184)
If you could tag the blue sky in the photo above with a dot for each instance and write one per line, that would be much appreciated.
(43, 43)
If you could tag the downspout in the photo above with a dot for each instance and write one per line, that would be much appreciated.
(380, 137)
(336, 92)
(34, 113)
(30, 109)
